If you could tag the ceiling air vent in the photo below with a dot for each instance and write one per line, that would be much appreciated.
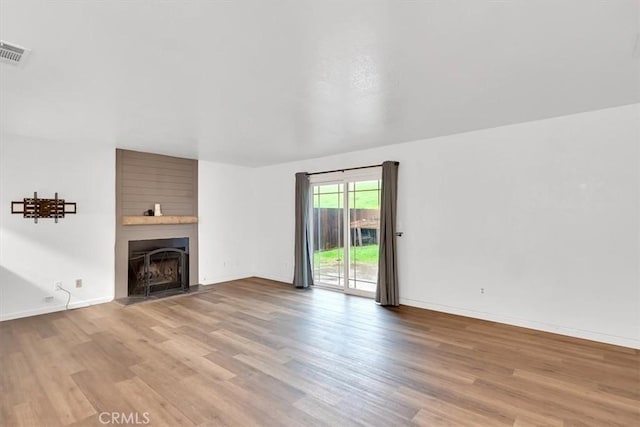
(12, 53)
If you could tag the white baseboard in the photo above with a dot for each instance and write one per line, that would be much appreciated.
(53, 308)
(525, 323)
(222, 279)
(283, 279)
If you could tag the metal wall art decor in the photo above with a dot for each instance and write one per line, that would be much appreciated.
(43, 208)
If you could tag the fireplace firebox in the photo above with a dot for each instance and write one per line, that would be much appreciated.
(157, 266)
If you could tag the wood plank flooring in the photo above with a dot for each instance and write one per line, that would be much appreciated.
(254, 352)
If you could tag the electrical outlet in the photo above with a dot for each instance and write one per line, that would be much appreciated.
(482, 290)
(57, 285)
(78, 283)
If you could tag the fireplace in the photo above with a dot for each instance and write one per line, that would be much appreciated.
(158, 266)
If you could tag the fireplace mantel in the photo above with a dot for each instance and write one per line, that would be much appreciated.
(157, 220)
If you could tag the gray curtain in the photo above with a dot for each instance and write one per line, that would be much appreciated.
(387, 288)
(302, 273)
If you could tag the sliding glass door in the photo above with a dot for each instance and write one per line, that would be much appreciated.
(364, 226)
(346, 222)
(328, 235)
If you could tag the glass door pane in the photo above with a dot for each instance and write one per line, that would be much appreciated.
(364, 227)
(328, 235)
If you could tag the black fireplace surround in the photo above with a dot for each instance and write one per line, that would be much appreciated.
(157, 266)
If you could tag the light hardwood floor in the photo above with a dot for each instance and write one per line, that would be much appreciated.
(254, 352)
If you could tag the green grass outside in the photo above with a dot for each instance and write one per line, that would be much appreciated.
(363, 255)
(365, 196)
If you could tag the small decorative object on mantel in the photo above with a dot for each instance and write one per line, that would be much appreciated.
(148, 212)
(157, 211)
(43, 208)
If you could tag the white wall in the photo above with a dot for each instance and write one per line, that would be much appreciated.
(543, 215)
(34, 256)
(227, 222)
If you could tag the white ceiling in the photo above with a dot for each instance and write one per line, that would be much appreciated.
(265, 81)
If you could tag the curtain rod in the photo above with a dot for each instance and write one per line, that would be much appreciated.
(348, 169)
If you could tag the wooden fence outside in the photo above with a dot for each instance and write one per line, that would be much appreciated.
(364, 226)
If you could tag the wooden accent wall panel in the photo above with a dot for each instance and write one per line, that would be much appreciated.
(142, 180)
(151, 178)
